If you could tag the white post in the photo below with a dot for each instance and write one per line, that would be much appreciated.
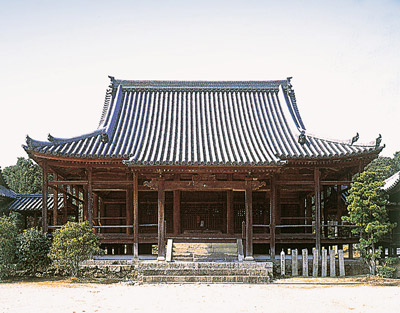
(332, 265)
(341, 264)
(324, 271)
(283, 263)
(295, 269)
(315, 262)
(304, 253)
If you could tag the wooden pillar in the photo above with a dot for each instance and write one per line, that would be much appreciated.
(65, 207)
(102, 213)
(135, 216)
(248, 195)
(177, 212)
(55, 200)
(85, 202)
(161, 221)
(339, 203)
(45, 187)
(89, 198)
(273, 209)
(317, 210)
(128, 206)
(230, 216)
(95, 211)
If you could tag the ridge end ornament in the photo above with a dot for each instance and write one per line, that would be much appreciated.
(378, 141)
(302, 138)
(355, 138)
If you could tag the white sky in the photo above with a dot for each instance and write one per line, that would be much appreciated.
(55, 57)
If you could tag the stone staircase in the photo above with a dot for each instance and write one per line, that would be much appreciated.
(205, 272)
(204, 252)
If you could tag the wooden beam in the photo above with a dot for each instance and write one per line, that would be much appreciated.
(205, 185)
(177, 212)
(249, 221)
(68, 182)
(135, 216)
(317, 210)
(45, 185)
(161, 221)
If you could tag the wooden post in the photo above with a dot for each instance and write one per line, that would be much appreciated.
(102, 213)
(273, 209)
(128, 205)
(55, 200)
(89, 198)
(317, 209)
(65, 207)
(85, 202)
(161, 221)
(229, 212)
(177, 212)
(248, 195)
(44, 198)
(95, 211)
(351, 251)
(135, 216)
(295, 263)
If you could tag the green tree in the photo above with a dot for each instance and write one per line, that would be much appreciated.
(385, 166)
(32, 250)
(367, 211)
(8, 241)
(24, 177)
(72, 244)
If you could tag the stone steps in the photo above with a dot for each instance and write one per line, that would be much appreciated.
(205, 272)
(206, 279)
(203, 252)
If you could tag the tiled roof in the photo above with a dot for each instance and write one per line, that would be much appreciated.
(5, 190)
(33, 202)
(391, 182)
(199, 123)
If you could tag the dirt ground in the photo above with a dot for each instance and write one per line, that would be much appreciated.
(286, 295)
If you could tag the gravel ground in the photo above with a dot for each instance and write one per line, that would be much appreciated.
(289, 295)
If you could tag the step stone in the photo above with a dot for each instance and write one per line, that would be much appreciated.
(206, 279)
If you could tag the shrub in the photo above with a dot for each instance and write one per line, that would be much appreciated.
(8, 240)
(72, 244)
(386, 271)
(32, 250)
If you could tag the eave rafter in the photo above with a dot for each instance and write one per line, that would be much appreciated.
(154, 184)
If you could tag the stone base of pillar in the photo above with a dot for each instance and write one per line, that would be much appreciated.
(160, 258)
(249, 258)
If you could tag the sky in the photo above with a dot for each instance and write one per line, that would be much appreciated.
(55, 57)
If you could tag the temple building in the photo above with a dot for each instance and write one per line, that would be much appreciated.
(202, 161)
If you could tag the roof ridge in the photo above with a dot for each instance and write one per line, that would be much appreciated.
(198, 83)
(346, 142)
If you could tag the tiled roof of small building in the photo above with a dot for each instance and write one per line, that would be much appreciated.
(199, 123)
(5, 190)
(392, 182)
(33, 202)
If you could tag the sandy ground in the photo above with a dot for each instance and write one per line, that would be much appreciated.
(282, 296)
